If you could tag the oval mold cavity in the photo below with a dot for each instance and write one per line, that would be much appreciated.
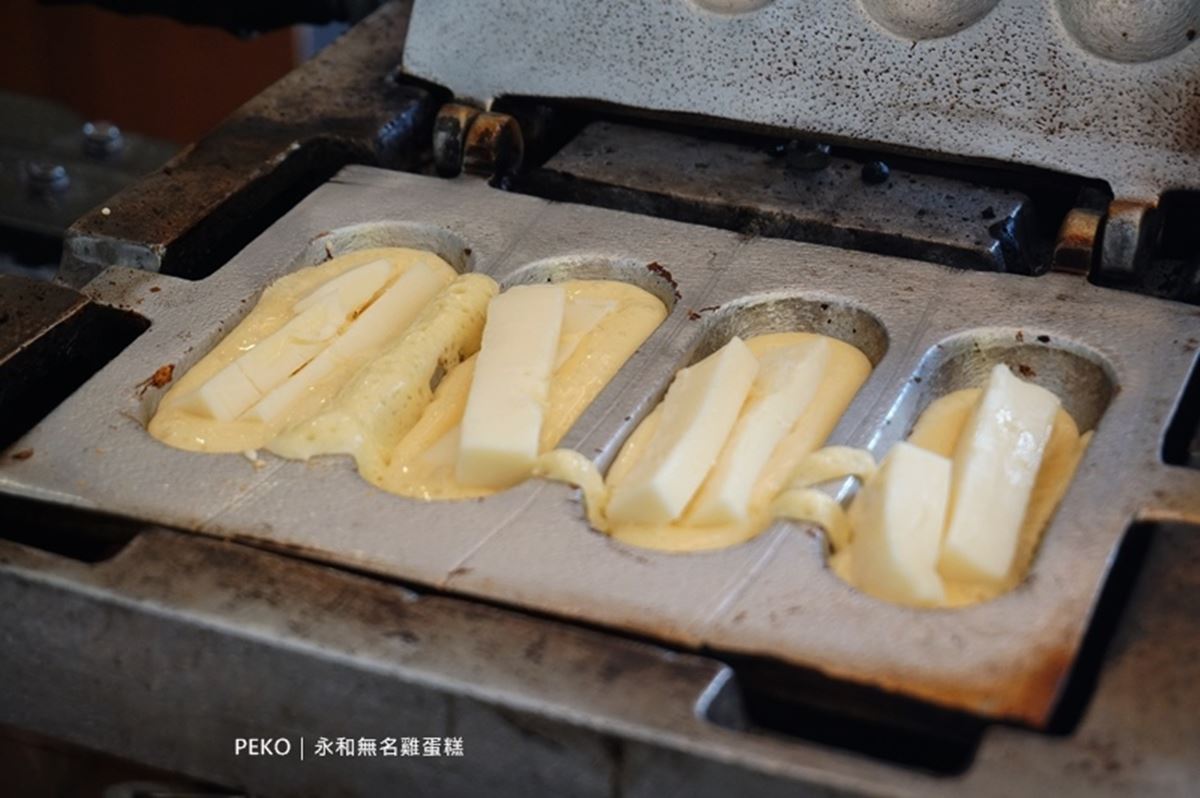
(448, 246)
(1077, 375)
(596, 267)
(776, 313)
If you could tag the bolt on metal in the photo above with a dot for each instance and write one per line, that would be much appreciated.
(102, 139)
(46, 177)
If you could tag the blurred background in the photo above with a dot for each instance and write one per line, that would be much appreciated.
(95, 95)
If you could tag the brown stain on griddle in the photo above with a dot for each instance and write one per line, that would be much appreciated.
(656, 268)
(161, 376)
(1026, 693)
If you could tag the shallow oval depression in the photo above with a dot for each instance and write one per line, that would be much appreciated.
(748, 317)
(1081, 378)
(780, 313)
(596, 267)
(590, 266)
(448, 246)
(587, 266)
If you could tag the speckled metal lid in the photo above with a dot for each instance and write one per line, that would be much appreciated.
(1107, 89)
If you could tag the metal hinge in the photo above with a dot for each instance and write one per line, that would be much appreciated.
(484, 143)
(1110, 241)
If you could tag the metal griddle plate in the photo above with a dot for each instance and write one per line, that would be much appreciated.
(1099, 89)
(530, 546)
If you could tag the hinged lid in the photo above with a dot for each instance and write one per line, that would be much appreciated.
(1106, 89)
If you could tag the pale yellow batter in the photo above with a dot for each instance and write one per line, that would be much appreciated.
(396, 406)
(846, 371)
(785, 487)
(937, 430)
(422, 465)
(176, 424)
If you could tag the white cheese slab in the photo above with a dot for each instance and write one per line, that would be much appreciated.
(698, 415)
(787, 381)
(897, 520)
(995, 464)
(506, 405)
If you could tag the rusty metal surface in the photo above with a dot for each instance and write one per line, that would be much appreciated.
(1077, 243)
(190, 216)
(1037, 82)
(755, 192)
(29, 308)
(493, 146)
(33, 317)
(205, 641)
(51, 339)
(530, 546)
